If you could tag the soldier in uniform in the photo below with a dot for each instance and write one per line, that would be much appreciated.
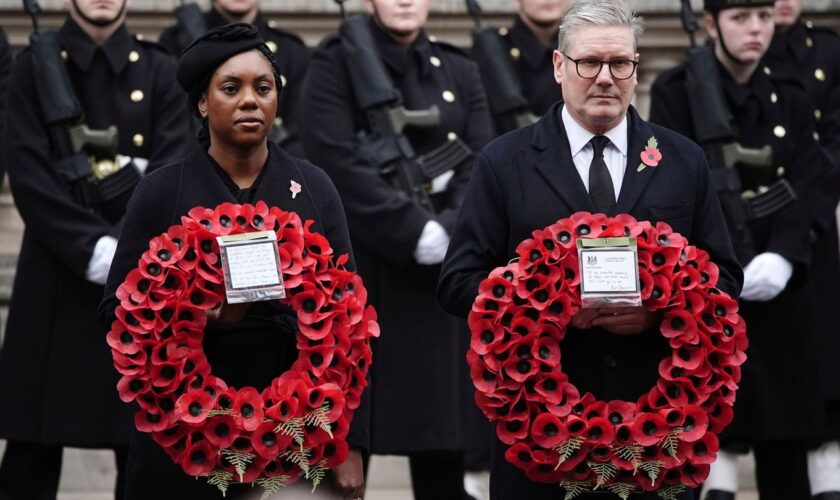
(540, 173)
(57, 381)
(289, 49)
(808, 54)
(416, 381)
(5, 72)
(778, 412)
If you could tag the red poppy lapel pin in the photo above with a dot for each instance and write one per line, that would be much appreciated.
(295, 188)
(651, 156)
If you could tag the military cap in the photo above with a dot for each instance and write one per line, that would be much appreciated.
(718, 5)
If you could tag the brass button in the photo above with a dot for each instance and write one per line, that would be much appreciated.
(451, 136)
(448, 96)
(503, 31)
(809, 24)
(774, 98)
(780, 171)
(779, 131)
(64, 54)
(138, 140)
(271, 46)
(272, 23)
(809, 42)
(515, 52)
(749, 193)
(283, 80)
(817, 114)
(139, 36)
(819, 74)
(136, 95)
(435, 61)
(433, 38)
(133, 56)
(766, 70)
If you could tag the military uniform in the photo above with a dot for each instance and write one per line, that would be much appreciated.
(292, 57)
(416, 379)
(5, 73)
(809, 54)
(57, 382)
(778, 400)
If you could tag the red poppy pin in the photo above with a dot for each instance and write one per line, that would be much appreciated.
(295, 188)
(651, 155)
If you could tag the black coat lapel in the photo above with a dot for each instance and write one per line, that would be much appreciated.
(635, 182)
(555, 163)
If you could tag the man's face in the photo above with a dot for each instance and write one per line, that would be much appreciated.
(598, 104)
(237, 8)
(543, 13)
(746, 32)
(99, 12)
(786, 12)
(402, 17)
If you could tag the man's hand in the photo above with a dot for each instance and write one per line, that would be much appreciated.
(583, 319)
(625, 320)
(227, 314)
(350, 477)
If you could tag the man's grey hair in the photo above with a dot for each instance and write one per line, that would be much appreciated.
(598, 13)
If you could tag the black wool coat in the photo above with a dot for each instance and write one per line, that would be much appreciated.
(292, 56)
(248, 353)
(56, 375)
(417, 378)
(809, 55)
(778, 398)
(526, 180)
(5, 73)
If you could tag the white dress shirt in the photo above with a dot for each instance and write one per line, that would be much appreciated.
(615, 154)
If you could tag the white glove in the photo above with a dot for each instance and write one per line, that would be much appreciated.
(431, 247)
(100, 261)
(765, 277)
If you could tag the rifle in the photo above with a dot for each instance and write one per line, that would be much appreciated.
(384, 144)
(689, 22)
(504, 90)
(190, 22)
(87, 162)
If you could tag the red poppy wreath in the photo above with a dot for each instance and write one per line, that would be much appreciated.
(666, 439)
(294, 428)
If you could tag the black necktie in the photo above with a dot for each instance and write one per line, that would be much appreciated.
(600, 183)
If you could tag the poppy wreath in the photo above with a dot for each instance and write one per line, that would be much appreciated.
(294, 428)
(664, 441)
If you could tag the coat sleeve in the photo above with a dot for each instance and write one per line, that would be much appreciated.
(478, 241)
(50, 213)
(172, 138)
(328, 137)
(5, 73)
(479, 131)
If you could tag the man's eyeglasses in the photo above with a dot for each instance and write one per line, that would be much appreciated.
(589, 68)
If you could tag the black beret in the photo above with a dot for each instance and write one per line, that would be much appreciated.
(210, 51)
(718, 5)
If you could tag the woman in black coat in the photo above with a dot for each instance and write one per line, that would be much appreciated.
(233, 82)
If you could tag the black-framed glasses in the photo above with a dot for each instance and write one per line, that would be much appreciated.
(589, 67)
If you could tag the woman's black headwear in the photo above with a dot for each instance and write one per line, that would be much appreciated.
(201, 58)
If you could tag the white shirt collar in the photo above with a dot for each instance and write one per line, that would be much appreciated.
(579, 137)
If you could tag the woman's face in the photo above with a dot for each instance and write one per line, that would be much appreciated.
(404, 18)
(241, 101)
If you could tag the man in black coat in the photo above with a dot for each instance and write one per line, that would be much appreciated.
(779, 413)
(5, 73)
(536, 175)
(288, 48)
(808, 54)
(57, 382)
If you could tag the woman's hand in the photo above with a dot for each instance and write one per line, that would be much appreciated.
(227, 314)
(350, 477)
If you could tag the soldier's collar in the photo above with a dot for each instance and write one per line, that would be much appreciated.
(398, 56)
(81, 48)
(531, 48)
(759, 87)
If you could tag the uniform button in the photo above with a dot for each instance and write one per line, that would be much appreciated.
(433, 39)
(610, 361)
(64, 54)
(809, 24)
(774, 98)
(271, 46)
(817, 114)
(283, 80)
(451, 136)
(133, 56)
(766, 70)
(435, 61)
(515, 53)
(780, 171)
(136, 95)
(819, 74)
(139, 36)
(503, 31)
(448, 96)
(138, 140)
(779, 131)
(272, 23)
(809, 42)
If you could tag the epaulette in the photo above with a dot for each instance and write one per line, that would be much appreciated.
(449, 47)
(146, 43)
(275, 30)
(823, 30)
